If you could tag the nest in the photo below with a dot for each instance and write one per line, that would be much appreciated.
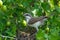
(27, 34)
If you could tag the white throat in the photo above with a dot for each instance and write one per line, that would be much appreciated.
(28, 18)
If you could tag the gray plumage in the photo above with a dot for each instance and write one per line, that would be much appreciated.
(35, 21)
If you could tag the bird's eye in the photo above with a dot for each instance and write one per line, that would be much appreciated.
(27, 14)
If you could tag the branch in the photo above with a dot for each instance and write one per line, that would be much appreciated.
(7, 37)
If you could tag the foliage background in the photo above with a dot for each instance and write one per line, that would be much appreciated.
(11, 17)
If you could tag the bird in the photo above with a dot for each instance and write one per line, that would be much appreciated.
(35, 21)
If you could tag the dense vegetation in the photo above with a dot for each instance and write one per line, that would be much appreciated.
(11, 17)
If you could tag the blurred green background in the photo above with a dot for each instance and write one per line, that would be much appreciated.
(11, 17)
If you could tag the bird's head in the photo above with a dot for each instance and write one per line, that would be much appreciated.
(27, 16)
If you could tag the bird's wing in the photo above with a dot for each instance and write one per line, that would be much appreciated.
(35, 19)
(32, 20)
